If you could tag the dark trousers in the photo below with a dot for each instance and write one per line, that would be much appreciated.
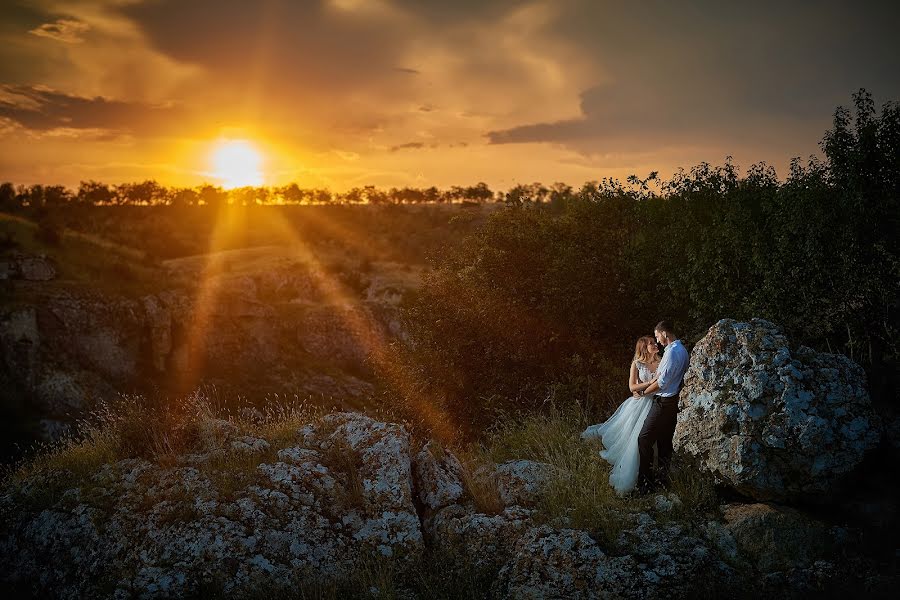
(659, 429)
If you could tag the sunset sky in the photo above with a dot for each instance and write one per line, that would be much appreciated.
(343, 93)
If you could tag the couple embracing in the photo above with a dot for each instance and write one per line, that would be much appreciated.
(648, 417)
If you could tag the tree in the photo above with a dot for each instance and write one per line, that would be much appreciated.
(8, 199)
(94, 193)
(292, 194)
(183, 197)
(480, 192)
(57, 195)
(213, 196)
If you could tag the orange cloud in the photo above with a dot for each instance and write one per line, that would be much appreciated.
(68, 31)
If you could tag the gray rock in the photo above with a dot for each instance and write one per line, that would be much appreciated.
(34, 268)
(760, 417)
(521, 481)
(673, 561)
(777, 538)
(134, 528)
(566, 563)
(484, 542)
(19, 342)
(159, 322)
(438, 476)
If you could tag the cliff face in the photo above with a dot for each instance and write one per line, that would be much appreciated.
(275, 332)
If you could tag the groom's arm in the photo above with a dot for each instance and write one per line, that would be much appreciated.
(661, 374)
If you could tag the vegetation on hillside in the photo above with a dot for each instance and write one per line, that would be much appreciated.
(550, 296)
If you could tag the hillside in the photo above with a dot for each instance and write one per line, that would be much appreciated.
(255, 302)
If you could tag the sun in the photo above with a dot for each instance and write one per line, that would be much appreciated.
(237, 163)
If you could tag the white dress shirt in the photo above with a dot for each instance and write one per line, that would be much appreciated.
(671, 369)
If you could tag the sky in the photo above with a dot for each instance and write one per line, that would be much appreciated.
(344, 93)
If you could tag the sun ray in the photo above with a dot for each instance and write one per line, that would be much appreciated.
(362, 326)
(369, 334)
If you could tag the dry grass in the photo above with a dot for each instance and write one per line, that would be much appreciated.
(478, 482)
(342, 459)
(578, 494)
(160, 430)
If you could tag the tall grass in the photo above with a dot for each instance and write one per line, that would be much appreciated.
(578, 493)
(160, 430)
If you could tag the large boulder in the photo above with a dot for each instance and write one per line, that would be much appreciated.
(473, 541)
(772, 423)
(29, 268)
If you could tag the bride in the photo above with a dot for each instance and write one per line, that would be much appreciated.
(620, 433)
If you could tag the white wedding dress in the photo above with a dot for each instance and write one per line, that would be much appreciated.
(620, 436)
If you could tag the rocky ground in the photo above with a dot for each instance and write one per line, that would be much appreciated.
(350, 498)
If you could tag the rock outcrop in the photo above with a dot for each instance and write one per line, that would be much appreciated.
(138, 529)
(521, 481)
(438, 477)
(772, 423)
(27, 267)
(779, 538)
(242, 514)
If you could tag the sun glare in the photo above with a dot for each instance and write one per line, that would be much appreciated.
(237, 163)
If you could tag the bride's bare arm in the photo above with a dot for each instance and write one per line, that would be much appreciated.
(634, 382)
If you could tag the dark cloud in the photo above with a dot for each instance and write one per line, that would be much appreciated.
(278, 45)
(408, 146)
(446, 13)
(406, 70)
(21, 17)
(39, 109)
(721, 71)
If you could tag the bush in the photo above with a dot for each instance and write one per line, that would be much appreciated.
(8, 242)
(49, 232)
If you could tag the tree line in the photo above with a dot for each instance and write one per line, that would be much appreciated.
(151, 193)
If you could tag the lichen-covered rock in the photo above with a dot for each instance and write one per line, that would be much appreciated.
(671, 561)
(438, 476)
(30, 268)
(19, 343)
(159, 323)
(137, 529)
(521, 481)
(482, 541)
(566, 563)
(771, 423)
(777, 538)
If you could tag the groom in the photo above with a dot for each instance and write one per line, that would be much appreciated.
(659, 426)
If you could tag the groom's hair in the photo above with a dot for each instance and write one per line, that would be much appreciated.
(665, 327)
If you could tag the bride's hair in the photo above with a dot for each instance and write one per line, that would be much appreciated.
(640, 349)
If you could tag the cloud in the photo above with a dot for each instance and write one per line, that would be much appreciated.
(43, 110)
(717, 77)
(406, 146)
(574, 86)
(68, 31)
